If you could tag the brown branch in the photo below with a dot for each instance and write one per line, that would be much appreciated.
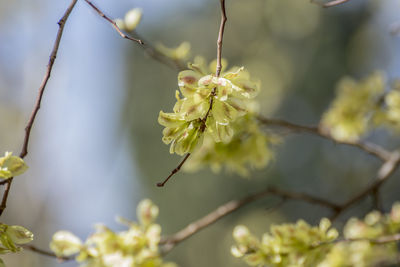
(384, 173)
(46, 253)
(233, 205)
(214, 91)
(376, 199)
(123, 35)
(152, 52)
(386, 170)
(386, 239)
(28, 128)
(391, 159)
(335, 3)
(174, 171)
(377, 241)
(220, 38)
(370, 148)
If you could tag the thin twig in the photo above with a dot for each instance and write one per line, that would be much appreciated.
(233, 205)
(383, 174)
(220, 38)
(46, 253)
(303, 197)
(28, 128)
(370, 148)
(386, 170)
(152, 52)
(377, 241)
(213, 93)
(376, 199)
(174, 171)
(123, 35)
(335, 3)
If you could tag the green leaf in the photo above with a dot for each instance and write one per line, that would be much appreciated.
(147, 212)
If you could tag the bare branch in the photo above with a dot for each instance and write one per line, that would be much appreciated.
(221, 37)
(383, 174)
(123, 35)
(370, 148)
(335, 3)
(233, 205)
(174, 171)
(386, 170)
(376, 199)
(377, 241)
(152, 52)
(386, 239)
(46, 253)
(53, 55)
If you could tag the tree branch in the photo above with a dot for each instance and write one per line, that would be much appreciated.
(123, 35)
(221, 37)
(370, 148)
(177, 169)
(383, 174)
(233, 205)
(156, 55)
(53, 55)
(386, 170)
(46, 253)
(377, 241)
(335, 3)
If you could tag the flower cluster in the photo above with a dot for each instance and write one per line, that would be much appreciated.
(389, 114)
(136, 247)
(349, 116)
(11, 166)
(249, 146)
(286, 245)
(362, 251)
(365, 243)
(131, 20)
(11, 236)
(219, 111)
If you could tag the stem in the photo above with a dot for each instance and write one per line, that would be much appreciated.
(233, 205)
(213, 93)
(335, 3)
(174, 171)
(370, 148)
(220, 38)
(28, 128)
(123, 35)
(46, 253)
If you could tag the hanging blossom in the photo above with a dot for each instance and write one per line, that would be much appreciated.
(216, 134)
(349, 117)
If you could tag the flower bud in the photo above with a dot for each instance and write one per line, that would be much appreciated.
(132, 19)
(147, 212)
(65, 243)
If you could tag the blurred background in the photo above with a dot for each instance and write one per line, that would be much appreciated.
(96, 147)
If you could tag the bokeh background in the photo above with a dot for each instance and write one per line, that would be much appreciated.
(96, 147)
